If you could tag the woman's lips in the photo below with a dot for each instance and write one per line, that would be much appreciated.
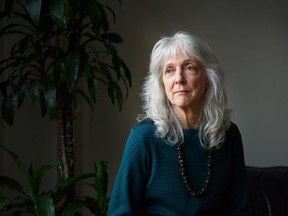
(180, 91)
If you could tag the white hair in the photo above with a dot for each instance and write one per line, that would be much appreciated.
(215, 117)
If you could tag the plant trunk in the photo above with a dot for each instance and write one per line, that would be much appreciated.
(66, 142)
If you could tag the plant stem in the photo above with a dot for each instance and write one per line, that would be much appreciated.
(67, 141)
(65, 123)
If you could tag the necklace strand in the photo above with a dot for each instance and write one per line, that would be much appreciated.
(184, 173)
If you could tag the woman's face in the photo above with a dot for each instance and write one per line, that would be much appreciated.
(184, 83)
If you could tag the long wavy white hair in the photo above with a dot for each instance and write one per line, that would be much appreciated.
(215, 117)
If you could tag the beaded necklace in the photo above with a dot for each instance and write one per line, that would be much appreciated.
(184, 173)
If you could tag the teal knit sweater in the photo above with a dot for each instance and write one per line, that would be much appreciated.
(149, 179)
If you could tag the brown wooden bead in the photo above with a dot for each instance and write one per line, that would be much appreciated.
(185, 177)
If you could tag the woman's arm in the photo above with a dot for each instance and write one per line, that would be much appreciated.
(128, 189)
(238, 198)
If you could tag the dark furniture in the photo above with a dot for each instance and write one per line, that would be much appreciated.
(268, 191)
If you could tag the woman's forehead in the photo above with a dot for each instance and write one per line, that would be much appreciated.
(174, 56)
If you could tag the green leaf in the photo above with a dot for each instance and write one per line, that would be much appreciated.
(102, 202)
(92, 87)
(4, 201)
(118, 94)
(7, 28)
(86, 70)
(17, 213)
(56, 8)
(71, 181)
(22, 167)
(23, 44)
(33, 90)
(38, 175)
(40, 35)
(115, 92)
(43, 104)
(104, 69)
(116, 61)
(64, 96)
(56, 11)
(101, 179)
(111, 11)
(28, 60)
(110, 90)
(12, 205)
(73, 207)
(44, 206)
(21, 90)
(50, 96)
(92, 205)
(8, 110)
(15, 157)
(74, 9)
(87, 98)
(100, 186)
(58, 69)
(9, 5)
(63, 188)
(112, 37)
(95, 13)
(11, 184)
(34, 9)
(72, 69)
(126, 72)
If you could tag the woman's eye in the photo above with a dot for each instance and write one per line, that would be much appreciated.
(191, 68)
(168, 70)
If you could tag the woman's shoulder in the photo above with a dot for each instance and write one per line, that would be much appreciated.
(146, 121)
(144, 127)
(233, 128)
(233, 135)
(142, 135)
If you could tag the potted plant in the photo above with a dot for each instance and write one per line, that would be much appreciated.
(60, 44)
(30, 199)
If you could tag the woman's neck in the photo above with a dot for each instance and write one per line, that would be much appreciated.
(189, 118)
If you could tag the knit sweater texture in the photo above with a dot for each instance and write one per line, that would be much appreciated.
(149, 178)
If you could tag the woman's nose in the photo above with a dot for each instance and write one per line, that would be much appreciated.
(179, 76)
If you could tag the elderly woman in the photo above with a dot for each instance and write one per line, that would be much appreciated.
(185, 156)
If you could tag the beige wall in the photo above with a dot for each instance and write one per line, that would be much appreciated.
(248, 37)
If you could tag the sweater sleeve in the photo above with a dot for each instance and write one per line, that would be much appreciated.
(238, 197)
(128, 189)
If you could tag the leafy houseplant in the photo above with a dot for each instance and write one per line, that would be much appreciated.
(31, 199)
(59, 44)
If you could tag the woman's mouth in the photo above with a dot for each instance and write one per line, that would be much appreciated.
(180, 91)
